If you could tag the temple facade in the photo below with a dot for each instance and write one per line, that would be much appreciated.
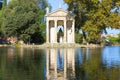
(57, 18)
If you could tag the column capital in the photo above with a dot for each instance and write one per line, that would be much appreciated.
(55, 20)
(65, 20)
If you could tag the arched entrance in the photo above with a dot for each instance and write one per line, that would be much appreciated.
(60, 31)
(60, 34)
(57, 34)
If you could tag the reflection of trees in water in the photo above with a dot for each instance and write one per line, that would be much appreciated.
(93, 69)
(28, 64)
(28, 67)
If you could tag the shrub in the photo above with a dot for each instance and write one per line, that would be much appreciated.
(78, 38)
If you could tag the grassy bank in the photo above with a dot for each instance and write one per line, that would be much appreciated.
(57, 45)
(54, 45)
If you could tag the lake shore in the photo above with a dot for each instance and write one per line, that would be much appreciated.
(55, 45)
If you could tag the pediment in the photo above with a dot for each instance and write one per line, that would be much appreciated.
(58, 12)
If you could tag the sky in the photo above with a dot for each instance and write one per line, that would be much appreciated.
(55, 4)
(113, 31)
(1, 0)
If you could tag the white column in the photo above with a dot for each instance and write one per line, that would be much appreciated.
(55, 65)
(55, 21)
(65, 33)
(47, 65)
(73, 31)
(47, 31)
(65, 64)
(73, 62)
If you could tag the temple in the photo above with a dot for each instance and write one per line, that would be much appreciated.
(63, 34)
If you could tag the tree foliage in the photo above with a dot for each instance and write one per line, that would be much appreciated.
(94, 16)
(22, 19)
(78, 38)
(0, 19)
(2, 7)
(4, 4)
(114, 40)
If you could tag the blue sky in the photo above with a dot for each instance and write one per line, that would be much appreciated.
(55, 4)
(113, 31)
(1, 0)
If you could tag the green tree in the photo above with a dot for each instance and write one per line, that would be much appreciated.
(23, 19)
(3, 5)
(114, 40)
(0, 20)
(78, 37)
(94, 16)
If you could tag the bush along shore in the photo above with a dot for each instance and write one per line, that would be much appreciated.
(54, 45)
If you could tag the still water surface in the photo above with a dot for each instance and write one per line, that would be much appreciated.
(60, 64)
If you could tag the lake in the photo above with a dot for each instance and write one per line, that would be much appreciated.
(60, 64)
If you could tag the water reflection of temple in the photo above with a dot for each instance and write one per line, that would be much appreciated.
(60, 64)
